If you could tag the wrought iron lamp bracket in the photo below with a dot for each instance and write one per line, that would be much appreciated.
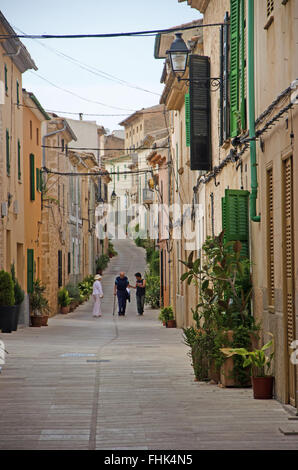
(215, 82)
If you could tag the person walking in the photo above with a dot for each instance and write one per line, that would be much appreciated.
(120, 289)
(97, 296)
(140, 292)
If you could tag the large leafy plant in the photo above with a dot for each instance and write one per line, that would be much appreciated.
(257, 360)
(38, 301)
(223, 278)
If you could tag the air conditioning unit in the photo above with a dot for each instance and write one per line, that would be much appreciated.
(4, 209)
(15, 207)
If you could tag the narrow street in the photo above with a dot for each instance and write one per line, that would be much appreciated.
(122, 383)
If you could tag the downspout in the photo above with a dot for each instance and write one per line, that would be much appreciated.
(251, 103)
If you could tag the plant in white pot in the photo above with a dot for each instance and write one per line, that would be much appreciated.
(259, 364)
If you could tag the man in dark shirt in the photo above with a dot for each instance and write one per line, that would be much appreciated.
(121, 284)
(140, 294)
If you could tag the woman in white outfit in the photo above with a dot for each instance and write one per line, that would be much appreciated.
(97, 295)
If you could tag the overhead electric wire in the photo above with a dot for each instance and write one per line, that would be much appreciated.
(90, 68)
(139, 111)
(78, 96)
(96, 173)
(97, 148)
(108, 35)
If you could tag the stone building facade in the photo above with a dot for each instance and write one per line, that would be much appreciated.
(261, 54)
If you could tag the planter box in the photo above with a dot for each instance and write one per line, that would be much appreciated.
(214, 373)
(8, 318)
(36, 320)
(44, 321)
(262, 387)
(227, 368)
(171, 324)
(64, 310)
(16, 317)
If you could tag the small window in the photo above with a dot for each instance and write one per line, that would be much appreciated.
(37, 136)
(32, 177)
(30, 130)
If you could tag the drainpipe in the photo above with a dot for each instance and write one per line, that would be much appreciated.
(251, 100)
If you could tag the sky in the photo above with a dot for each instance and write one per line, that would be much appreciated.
(129, 59)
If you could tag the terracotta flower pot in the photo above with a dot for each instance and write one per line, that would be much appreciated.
(171, 324)
(44, 320)
(36, 320)
(262, 387)
(65, 309)
(164, 323)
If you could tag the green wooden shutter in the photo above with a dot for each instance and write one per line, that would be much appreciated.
(7, 153)
(19, 161)
(187, 119)
(30, 270)
(40, 180)
(223, 214)
(234, 66)
(235, 218)
(32, 177)
(242, 65)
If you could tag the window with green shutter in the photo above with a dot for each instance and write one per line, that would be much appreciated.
(187, 119)
(30, 270)
(235, 220)
(32, 177)
(237, 67)
(19, 161)
(7, 153)
(234, 66)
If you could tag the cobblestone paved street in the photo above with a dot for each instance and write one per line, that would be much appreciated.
(122, 383)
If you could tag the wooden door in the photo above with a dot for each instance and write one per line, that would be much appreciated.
(289, 273)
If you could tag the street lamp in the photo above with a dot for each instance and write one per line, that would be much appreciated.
(178, 54)
(113, 196)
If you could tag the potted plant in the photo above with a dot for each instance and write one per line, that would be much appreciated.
(39, 304)
(259, 363)
(168, 316)
(19, 295)
(64, 300)
(75, 295)
(7, 302)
